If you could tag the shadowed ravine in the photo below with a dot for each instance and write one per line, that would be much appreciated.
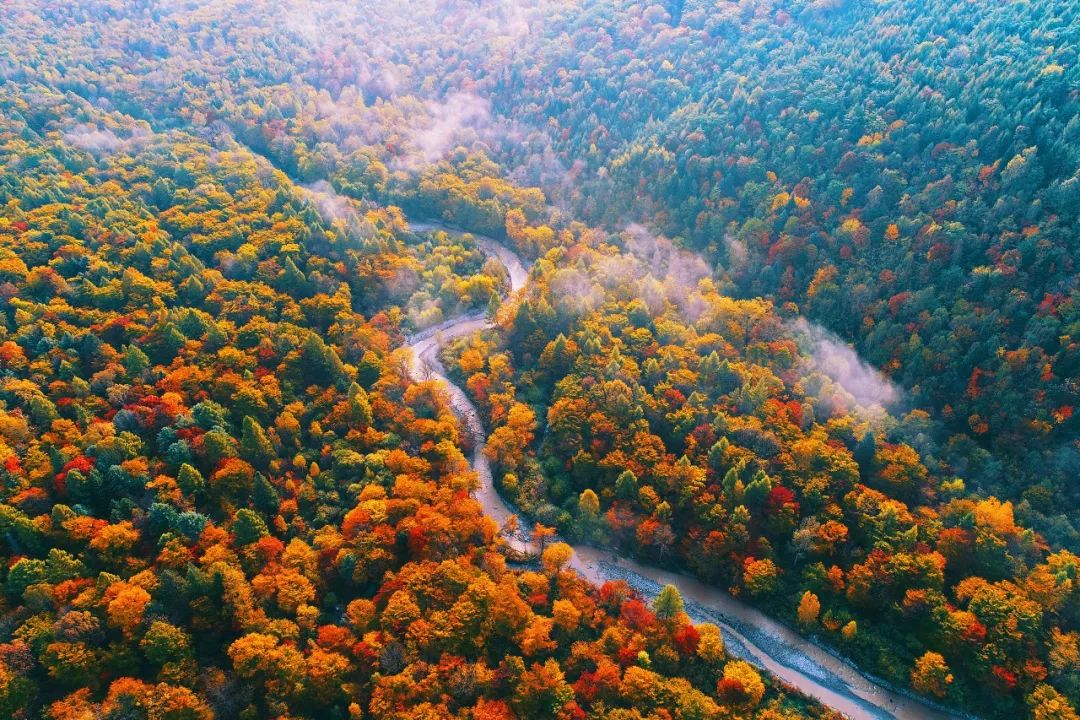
(748, 633)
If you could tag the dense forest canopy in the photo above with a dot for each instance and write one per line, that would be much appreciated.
(803, 321)
(224, 496)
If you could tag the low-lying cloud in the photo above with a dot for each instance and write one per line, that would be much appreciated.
(574, 291)
(826, 353)
(450, 119)
(737, 252)
(679, 270)
(336, 209)
(459, 119)
(94, 139)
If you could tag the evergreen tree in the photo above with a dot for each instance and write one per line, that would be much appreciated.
(626, 485)
(359, 407)
(668, 603)
(255, 446)
(264, 496)
(135, 362)
(190, 481)
(248, 527)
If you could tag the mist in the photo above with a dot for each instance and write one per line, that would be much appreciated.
(336, 209)
(828, 354)
(450, 122)
(679, 270)
(97, 140)
(737, 252)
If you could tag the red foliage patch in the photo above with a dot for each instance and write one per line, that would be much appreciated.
(780, 496)
(686, 640)
(636, 615)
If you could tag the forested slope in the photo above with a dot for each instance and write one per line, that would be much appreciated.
(633, 406)
(223, 496)
(906, 172)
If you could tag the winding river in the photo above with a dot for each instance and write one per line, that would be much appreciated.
(748, 633)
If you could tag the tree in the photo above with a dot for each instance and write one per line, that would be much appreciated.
(127, 606)
(589, 505)
(541, 534)
(535, 639)
(1048, 704)
(164, 642)
(233, 478)
(263, 658)
(190, 481)
(931, 675)
(216, 446)
(710, 644)
(542, 691)
(626, 486)
(264, 496)
(318, 363)
(508, 442)
(511, 527)
(114, 542)
(369, 369)
(566, 615)
(135, 362)
(72, 664)
(255, 446)
(248, 527)
(809, 607)
(209, 415)
(588, 514)
(555, 557)
(760, 576)
(359, 406)
(668, 604)
(741, 687)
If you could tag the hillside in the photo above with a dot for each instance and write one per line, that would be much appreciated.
(800, 322)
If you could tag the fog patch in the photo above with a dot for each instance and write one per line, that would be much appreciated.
(403, 284)
(100, 141)
(384, 80)
(866, 389)
(737, 252)
(677, 269)
(664, 259)
(574, 292)
(459, 119)
(315, 24)
(337, 210)
(347, 121)
(504, 25)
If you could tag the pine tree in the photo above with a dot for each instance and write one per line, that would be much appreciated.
(319, 364)
(190, 481)
(626, 486)
(864, 453)
(359, 407)
(265, 497)
(369, 369)
(255, 446)
(294, 280)
(248, 527)
(135, 361)
(668, 603)
(758, 489)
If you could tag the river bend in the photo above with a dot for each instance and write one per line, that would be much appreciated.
(748, 633)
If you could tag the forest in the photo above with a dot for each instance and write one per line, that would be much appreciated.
(801, 321)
